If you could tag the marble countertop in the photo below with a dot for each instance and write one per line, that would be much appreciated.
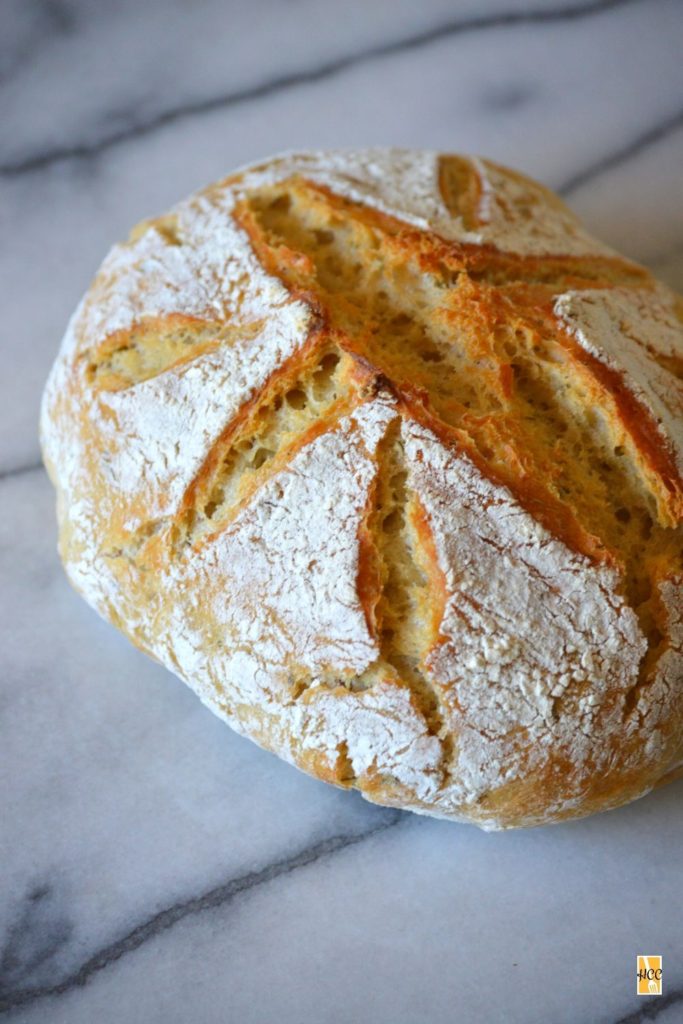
(155, 867)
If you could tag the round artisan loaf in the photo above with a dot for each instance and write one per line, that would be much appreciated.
(381, 453)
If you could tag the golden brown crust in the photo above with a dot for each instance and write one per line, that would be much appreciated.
(382, 454)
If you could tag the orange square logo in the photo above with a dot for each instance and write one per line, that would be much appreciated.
(649, 975)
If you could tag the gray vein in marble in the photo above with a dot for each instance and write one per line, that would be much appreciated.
(648, 138)
(508, 96)
(652, 1008)
(506, 19)
(13, 471)
(48, 18)
(39, 931)
(29, 938)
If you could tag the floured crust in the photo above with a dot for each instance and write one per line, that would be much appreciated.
(638, 336)
(381, 453)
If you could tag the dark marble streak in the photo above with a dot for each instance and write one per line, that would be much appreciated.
(47, 18)
(14, 998)
(652, 1006)
(39, 931)
(507, 97)
(453, 27)
(648, 138)
(9, 474)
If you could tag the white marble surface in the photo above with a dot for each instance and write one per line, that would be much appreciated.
(154, 867)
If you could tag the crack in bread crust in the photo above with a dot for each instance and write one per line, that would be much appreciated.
(154, 345)
(304, 398)
(400, 603)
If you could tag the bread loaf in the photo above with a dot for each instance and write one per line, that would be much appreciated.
(381, 453)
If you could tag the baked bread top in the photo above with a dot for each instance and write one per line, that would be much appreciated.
(382, 453)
